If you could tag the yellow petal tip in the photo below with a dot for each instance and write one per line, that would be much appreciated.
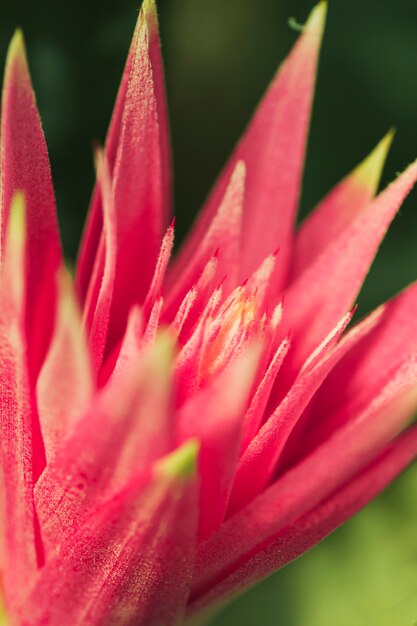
(16, 228)
(369, 171)
(317, 18)
(17, 48)
(150, 14)
(182, 463)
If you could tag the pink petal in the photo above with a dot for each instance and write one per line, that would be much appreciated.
(100, 295)
(89, 249)
(137, 144)
(302, 488)
(224, 234)
(339, 208)
(66, 372)
(255, 414)
(213, 416)
(257, 464)
(364, 372)
(114, 439)
(261, 279)
(25, 167)
(18, 420)
(187, 366)
(313, 526)
(131, 562)
(273, 149)
(196, 300)
(161, 266)
(140, 179)
(154, 321)
(128, 352)
(340, 270)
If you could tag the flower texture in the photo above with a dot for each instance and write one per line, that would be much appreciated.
(172, 432)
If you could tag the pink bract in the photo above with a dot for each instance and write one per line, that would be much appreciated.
(173, 431)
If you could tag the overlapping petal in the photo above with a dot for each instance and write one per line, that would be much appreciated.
(179, 429)
(25, 167)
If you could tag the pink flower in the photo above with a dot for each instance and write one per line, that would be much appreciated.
(173, 433)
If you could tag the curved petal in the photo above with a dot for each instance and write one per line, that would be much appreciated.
(131, 561)
(339, 208)
(89, 249)
(273, 150)
(25, 167)
(311, 528)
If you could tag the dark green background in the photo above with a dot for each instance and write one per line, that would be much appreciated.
(219, 56)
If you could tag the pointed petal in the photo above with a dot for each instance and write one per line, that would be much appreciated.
(311, 528)
(224, 234)
(364, 372)
(273, 149)
(196, 300)
(219, 408)
(340, 270)
(127, 354)
(66, 372)
(114, 439)
(141, 201)
(131, 562)
(153, 322)
(255, 414)
(100, 295)
(160, 269)
(187, 365)
(257, 464)
(301, 489)
(25, 167)
(183, 312)
(93, 229)
(260, 281)
(339, 208)
(17, 415)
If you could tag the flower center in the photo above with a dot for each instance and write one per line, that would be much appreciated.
(228, 331)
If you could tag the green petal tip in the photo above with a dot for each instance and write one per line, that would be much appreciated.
(317, 17)
(150, 14)
(17, 48)
(370, 170)
(16, 228)
(182, 463)
(315, 22)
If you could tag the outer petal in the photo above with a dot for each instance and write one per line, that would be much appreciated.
(363, 373)
(65, 383)
(138, 162)
(127, 427)
(223, 234)
(214, 417)
(89, 249)
(192, 307)
(131, 562)
(273, 149)
(311, 528)
(17, 416)
(25, 167)
(160, 269)
(99, 298)
(340, 270)
(256, 412)
(301, 489)
(259, 461)
(339, 208)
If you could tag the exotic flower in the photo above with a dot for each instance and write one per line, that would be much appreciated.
(172, 433)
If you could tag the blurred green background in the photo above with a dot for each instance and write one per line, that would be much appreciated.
(219, 57)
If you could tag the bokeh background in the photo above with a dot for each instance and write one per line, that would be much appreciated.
(219, 57)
